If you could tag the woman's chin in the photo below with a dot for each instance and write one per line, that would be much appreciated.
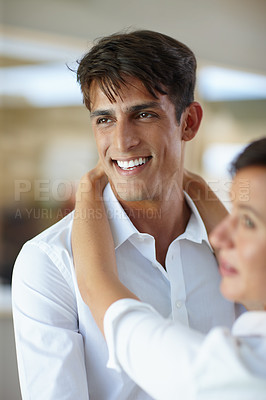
(229, 291)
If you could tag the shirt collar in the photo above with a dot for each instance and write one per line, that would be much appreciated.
(115, 212)
(195, 230)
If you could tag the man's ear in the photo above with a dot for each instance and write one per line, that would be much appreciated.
(192, 119)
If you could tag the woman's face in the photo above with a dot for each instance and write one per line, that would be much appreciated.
(241, 240)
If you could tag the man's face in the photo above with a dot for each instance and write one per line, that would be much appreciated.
(139, 141)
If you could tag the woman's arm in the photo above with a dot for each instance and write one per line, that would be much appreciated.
(93, 248)
(211, 209)
(170, 360)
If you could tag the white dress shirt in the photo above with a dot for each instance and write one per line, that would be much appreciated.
(61, 352)
(171, 361)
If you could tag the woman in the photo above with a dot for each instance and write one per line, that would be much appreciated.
(165, 358)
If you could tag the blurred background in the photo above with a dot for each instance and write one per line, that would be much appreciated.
(46, 141)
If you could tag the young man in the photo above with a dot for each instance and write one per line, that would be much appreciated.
(139, 88)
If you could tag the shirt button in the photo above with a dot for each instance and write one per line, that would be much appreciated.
(141, 238)
(178, 304)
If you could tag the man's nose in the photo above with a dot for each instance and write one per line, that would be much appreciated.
(223, 235)
(125, 136)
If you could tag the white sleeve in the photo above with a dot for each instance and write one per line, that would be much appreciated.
(145, 345)
(170, 361)
(49, 347)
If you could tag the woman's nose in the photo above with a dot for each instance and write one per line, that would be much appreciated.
(222, 235)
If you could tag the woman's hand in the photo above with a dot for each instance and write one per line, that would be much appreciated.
(93, 248)
(211, 209)
(91, 186)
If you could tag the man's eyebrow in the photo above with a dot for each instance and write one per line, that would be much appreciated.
(128, 110)
(98, 113)
(143, 106)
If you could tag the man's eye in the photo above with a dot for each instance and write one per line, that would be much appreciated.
(103, 120)
(247, 222)
(145, 115)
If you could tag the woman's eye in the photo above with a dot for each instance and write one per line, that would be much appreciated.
(247, 222)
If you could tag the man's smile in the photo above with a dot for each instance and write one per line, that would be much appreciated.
(133, 164)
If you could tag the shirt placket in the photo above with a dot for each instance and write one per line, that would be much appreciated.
(174, 269)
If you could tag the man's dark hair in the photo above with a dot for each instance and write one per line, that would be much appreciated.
(253, 155)
(160, 62)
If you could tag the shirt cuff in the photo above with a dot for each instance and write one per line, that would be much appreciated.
(112, 318)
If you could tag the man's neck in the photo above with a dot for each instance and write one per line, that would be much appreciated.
(164, 220)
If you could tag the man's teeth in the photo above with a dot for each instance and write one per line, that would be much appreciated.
(132, 163)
